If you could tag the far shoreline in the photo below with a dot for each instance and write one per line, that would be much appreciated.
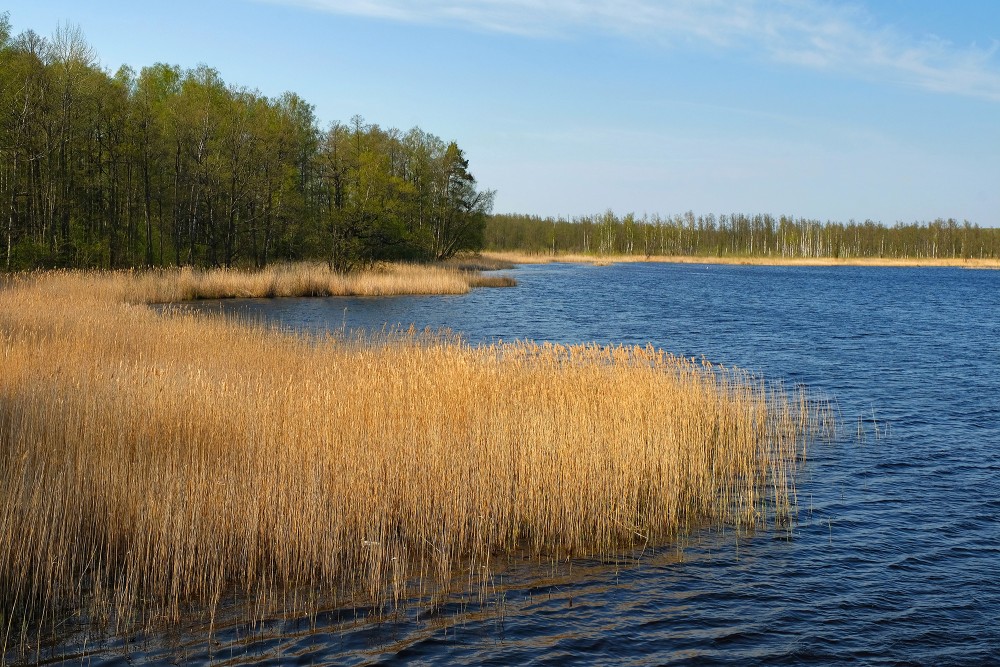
(604, 260)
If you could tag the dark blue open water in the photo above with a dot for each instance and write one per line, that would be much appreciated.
(896, 555)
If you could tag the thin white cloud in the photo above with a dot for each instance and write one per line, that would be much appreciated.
(808, 33)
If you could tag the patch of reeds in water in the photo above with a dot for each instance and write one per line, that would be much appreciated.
(153, 464)
(304, 279)
(479, 262)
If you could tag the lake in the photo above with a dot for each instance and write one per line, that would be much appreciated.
(896, 553)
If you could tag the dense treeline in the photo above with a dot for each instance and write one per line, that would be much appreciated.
(739, 235)
(171, 166)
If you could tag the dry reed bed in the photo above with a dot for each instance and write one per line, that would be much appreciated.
(304, 279)
(152, 464)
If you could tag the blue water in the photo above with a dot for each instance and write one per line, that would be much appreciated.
(896, 554)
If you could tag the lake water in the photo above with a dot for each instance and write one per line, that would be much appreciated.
(896, 554)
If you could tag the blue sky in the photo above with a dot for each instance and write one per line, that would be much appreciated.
(886, 109)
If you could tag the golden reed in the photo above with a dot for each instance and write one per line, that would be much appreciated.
(154, 465)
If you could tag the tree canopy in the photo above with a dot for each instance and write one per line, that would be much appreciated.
(172, 166)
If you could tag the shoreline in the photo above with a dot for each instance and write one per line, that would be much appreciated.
(605, 260)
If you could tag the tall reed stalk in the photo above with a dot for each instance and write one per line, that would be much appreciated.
(155, 463)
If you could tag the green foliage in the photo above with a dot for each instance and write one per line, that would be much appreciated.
(173, 166)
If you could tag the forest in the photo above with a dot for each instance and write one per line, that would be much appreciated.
(171, 166)
(740, 235)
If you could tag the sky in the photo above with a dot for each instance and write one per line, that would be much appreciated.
(886, 110)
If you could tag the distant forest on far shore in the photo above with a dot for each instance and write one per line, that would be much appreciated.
(739, 235)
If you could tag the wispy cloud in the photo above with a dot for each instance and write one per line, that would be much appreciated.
(807, 33)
